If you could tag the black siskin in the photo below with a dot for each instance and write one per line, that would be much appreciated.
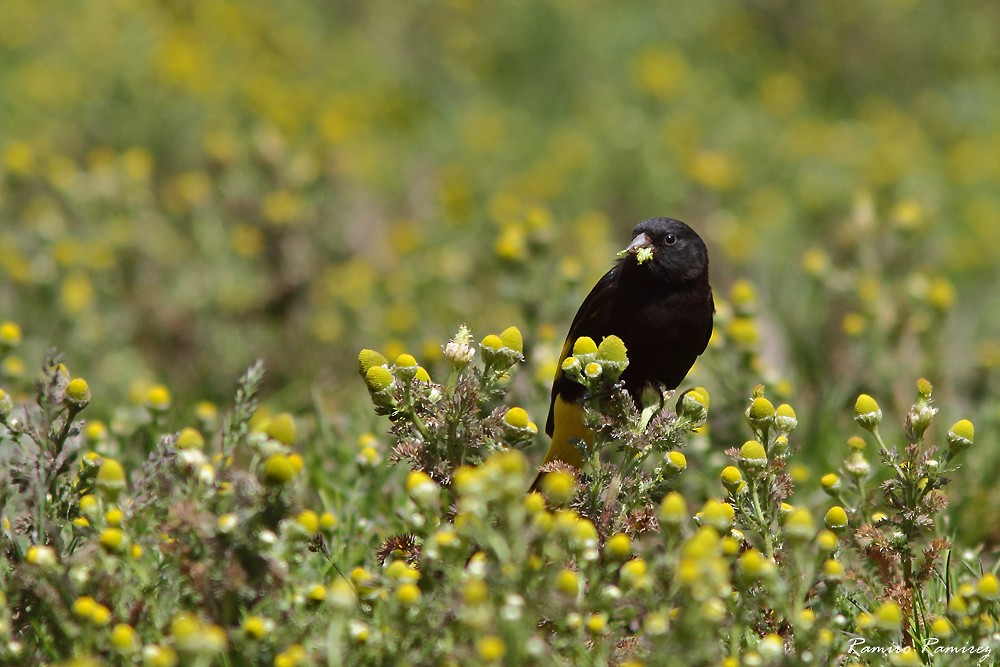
(660, 307)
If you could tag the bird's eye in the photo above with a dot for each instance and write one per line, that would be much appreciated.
(670, 239)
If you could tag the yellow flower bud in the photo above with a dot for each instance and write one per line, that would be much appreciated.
(492, 342)
(190, 438)
(866, 412)
(731, 478)
(988, 587)
(512, 339)
(516, 417)
(112, 539)
(111, 478)
(278, 470)
(559, 486)
(760, 414)
(673, 510)
(718, 515)
(754, 565)
(567, 582)
(158, 398)
(612, 349)
(584, 345)
(309, 521)
(888, 616)
(833, 570)
(124, 638)
(282, 428)
(408, 594)
(406, 361)
(78, 392)
(618, 546)
(960, 436)
(378, 378)
(799, 525)
(367, 359)
(675, 461)
(491, 648)
(10, 334)
(753, 457)
(254, 627)
(836, 519)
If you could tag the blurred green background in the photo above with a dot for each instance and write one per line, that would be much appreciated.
(186, 186)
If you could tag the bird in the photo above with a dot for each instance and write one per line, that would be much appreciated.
(658, 301)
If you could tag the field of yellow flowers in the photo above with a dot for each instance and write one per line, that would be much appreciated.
(208, 209)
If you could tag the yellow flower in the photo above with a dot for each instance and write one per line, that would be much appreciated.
(124, 638)
(867, 412)
(10, 334)
(854, 324)
(988, 587)
(618, 546)
(367, 359)
(888, 616)
(111, 478)
(78, 392)
(516, 417)
(100, 615)
(743, 331)
(833, 570)
(112, 539)
(800, 525)
(675, 461)
(189, 438)
(491, 648)
(316, 593)
(752, 457)
(84, 606)
(158, 398)
(960, 436)
(309, 521)
(815, 262)
(41, 555)
(281, 427)
(753, 565)
(633, 573)
(281, 207)
(612, 349)
(291, 656)
(760, 414)
(584, 346)
(673, 509)
(278, 470)
(597, 623)
(836, 518)
(731, 478)
(559, 486)
(512, 339)
(408, 594)
(830, 483)
(660, 72)
(718, 515)
(567, 582)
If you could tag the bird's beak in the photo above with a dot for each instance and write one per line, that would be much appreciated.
(639, 242)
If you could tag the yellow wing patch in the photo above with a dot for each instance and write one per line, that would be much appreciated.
(570, 427)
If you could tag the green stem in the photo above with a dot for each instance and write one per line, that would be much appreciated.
(762, 526)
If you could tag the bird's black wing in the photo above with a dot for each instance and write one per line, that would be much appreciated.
(592, 319)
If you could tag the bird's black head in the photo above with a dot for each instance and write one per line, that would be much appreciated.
(668, 249)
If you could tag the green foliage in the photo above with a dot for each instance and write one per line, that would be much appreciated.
(208, 552)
